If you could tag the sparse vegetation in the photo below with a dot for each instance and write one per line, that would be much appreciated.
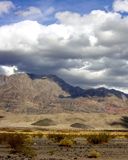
(56, 137)
(51, 152)
(94, 154)
(3, 138)
(20, 143)
(98, 138)
(16, 141)
(28, 151)
(66, 142)
(25, 143)
(1, 117)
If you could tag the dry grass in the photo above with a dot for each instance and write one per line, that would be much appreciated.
(52, 133)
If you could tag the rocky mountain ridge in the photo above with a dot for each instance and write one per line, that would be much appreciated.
(79, 92)
(38, 94)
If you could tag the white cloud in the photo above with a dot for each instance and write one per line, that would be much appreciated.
(120, 6)
(8, 70)
(5, 7)
(26, 35)
(89, 50)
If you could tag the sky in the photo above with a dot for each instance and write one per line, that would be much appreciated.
(84, 42)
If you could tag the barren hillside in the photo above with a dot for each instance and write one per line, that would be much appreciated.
(25, 93)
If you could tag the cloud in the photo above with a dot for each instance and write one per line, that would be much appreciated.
(120, 6)
(8, 70)
(49, 11)
(30, 12)
(87, 50)
(5, 7)
(35, 13)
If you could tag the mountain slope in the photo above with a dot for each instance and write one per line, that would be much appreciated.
(103, 92)
(20, 92)
(75, 92)
(37, 94)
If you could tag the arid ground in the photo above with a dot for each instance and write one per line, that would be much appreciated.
(100, 121)
(45, 148)
(78, 147)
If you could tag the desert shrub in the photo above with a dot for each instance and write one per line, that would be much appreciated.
(94, 154)
(16, 140)
(21, 143)
(51, 152)
(1, 117)
(3, 138)
(56, 137)
(39, 135)
(126, 136)
(66, 142)
(28, 151)
(98, 138)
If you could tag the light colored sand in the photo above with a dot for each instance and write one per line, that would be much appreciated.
(62, 120)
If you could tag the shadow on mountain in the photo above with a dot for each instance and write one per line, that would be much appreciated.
(75, 91)
(123, 122)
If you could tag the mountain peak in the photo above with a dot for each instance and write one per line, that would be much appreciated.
(73, 91)
(79, 92)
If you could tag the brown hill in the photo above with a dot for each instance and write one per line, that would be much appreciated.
(20, 93)
(48, 94)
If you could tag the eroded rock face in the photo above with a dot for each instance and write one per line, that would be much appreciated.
(50, 94)
(20, 93)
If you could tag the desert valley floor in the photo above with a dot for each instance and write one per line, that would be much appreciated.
(47, 149)
(98, 121)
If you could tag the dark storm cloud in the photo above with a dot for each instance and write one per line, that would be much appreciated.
(89, 50)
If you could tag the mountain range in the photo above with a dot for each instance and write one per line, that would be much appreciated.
(36, 94)
(79, 92)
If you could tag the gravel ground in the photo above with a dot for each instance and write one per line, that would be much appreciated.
(46, 149)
